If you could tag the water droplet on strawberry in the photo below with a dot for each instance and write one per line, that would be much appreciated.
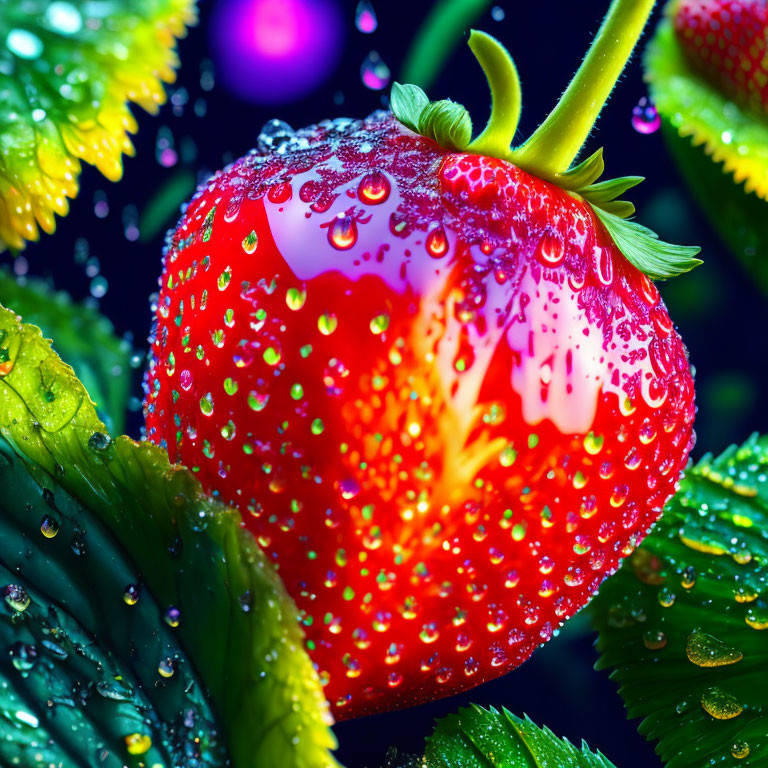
(374, 188)
(274, 136)
(342, 232)
(437, 243)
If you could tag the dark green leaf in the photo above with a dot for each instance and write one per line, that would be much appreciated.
(485, 738)
(734, 137)
(407, 102)
(739, 217)
(682, 624)
(642, 247)
(84, 337)
(135, 519)
(447, 123)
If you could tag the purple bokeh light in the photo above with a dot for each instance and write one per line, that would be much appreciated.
(275, 51)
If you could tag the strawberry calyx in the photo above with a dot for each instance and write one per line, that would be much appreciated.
(550, 151)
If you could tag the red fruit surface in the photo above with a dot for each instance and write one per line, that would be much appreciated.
(444, 402)
(727, 40)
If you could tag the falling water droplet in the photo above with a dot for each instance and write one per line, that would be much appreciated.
(165, 151)
(365, 17)
(374, 72)
(100, 204)
(131, 223)
(645, 117)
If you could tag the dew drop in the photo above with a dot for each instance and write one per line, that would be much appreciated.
(342, 232)
(16, 598)
(551, 250)
(131, 594)
(740, 749)
(274, 135)
(49, 527)
(707, 651)
(374, 188)
(720, 705)
(437, 243)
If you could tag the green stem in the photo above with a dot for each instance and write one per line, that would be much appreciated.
(506, 95)
(556, 142)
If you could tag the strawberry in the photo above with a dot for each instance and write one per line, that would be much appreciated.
(727, 41)
(445, 401)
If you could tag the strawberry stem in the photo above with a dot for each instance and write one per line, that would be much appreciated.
(506, 95)
(555, 144)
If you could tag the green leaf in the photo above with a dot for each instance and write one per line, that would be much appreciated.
(736, 215)
(447, 123)
(486, 738)
(642, 248)
(68, 72)
(407, 102)
(138, 520)
(733, 136)
(682, 624)
(83, 336)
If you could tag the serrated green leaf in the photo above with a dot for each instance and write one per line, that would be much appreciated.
(68, 72)
(485, 738)
(447, 123)
(83, 336)
(682, 623)
(642, 248)
(734, 137)
(736, 215)
(137, 515)
(407, 102)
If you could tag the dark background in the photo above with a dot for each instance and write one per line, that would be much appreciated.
(719, 311)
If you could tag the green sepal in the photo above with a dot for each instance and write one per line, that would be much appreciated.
(609, 190)
(407, 102)
(584, 174)
(83, 336)
(683, 622)
(487, 738)
(238, 627)
(447, 123)
(641, 246)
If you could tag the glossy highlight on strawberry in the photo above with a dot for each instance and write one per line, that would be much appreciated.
(727, 41)
(445, 402)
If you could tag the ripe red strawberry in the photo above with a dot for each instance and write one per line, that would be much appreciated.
(445, 402)
(727, 40)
